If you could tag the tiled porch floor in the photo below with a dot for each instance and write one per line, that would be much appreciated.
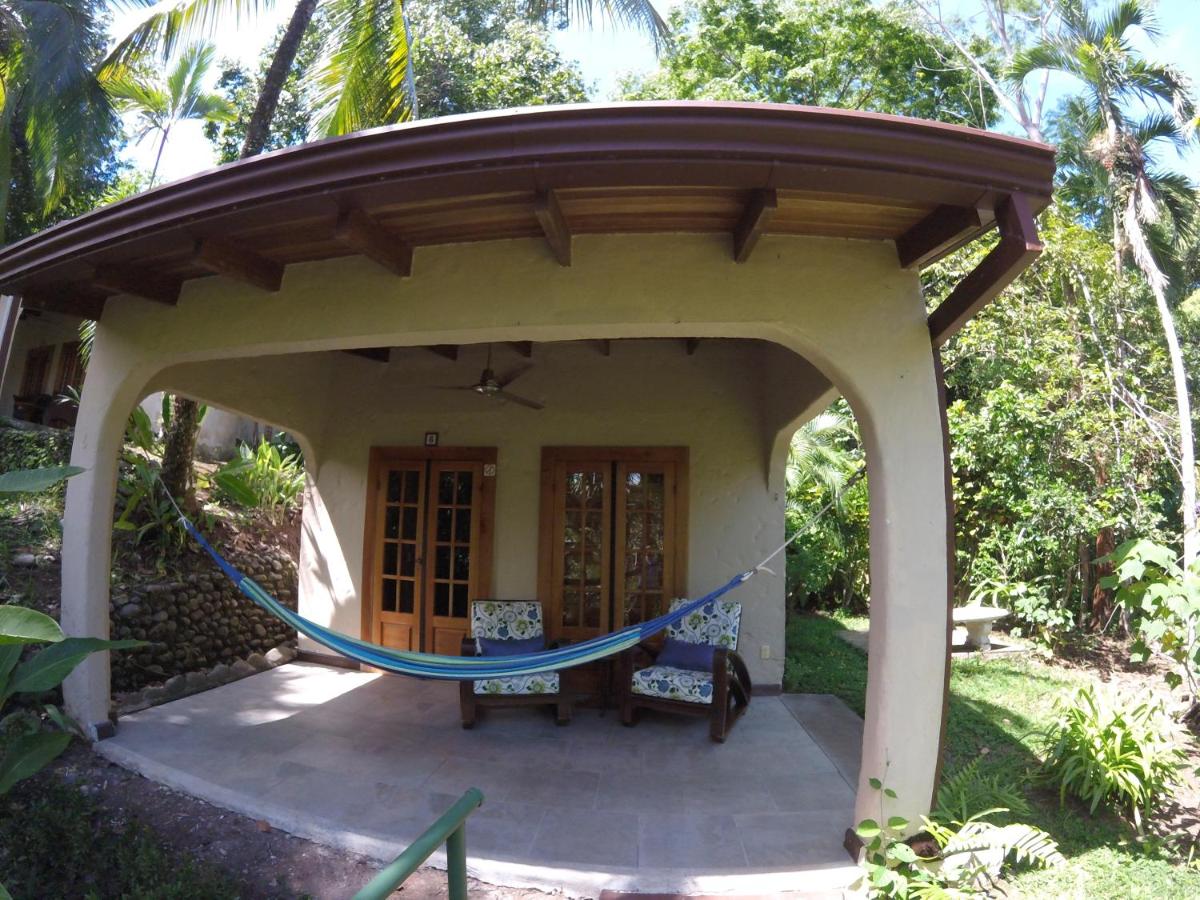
(366, 762)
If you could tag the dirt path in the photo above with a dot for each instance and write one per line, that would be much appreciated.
(269, 864)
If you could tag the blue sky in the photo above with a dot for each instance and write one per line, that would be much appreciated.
(606, 53)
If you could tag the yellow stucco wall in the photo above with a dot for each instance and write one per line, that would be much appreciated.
(846, 306)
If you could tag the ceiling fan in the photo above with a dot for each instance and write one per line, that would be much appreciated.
(491, 387)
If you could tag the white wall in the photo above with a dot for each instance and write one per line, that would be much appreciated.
(35, 329)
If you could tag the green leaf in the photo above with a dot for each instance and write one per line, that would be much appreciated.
(32, 481)
(236, 488)
(29, 754)
(876, 783)
(902, 853)
(49, 667)
(4, 894)
(19, 625)
(867, 828)
(888, 792)
(898, 823)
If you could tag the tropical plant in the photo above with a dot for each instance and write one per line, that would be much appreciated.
(56, 126)
(1122, 752)
(1030, 603)
(269, 477)
(162, 101)
(970, 791)
(1164, 601)
(852, 54)
(1118, 84)
(971, 852)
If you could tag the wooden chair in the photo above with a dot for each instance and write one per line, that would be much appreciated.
(509, 620)
(721, 694)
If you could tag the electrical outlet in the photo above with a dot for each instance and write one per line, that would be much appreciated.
(765, 652)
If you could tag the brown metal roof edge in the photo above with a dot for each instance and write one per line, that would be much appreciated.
(744, 144)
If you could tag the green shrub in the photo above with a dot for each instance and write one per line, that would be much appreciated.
(269, 477)
(970, 791)
(60, 843)
(1116, 751)
(21, 449)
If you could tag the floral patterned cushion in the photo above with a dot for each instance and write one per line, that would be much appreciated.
(714, 623)
(503, 620)
(674, 684)
(542, 683)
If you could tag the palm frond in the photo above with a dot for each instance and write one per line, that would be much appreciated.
(640, 15)
(166, 24)
(1125, 15)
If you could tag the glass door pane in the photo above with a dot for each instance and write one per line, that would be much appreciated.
(580, 586)
(453, 524)
(399, 551)
(645, 516)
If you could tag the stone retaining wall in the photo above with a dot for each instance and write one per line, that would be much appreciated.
(198, 620)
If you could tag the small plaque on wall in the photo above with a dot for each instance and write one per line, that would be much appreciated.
(431, 439)
(489, 470)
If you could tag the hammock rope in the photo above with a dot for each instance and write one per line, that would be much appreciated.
(468, 668)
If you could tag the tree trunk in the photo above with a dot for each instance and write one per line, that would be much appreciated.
(179, 452)
(179, 448)
(1102, 608)
(1187, 446)
(258, 129)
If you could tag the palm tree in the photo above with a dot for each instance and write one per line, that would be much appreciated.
(160, 103)
(366, 54)
(366, 58)
(51, 103)
(1116, 81)
(821, 454)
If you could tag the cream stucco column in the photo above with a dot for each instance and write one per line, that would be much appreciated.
(900, 417)
(115, 379)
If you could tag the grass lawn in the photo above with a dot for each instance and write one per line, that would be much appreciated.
(997, 709)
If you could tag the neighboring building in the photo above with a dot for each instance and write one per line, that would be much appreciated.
(42, 369)
(689, 282)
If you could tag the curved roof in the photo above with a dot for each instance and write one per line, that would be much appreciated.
(745, 169)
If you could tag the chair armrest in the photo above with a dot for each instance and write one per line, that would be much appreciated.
(469, 647)
(740, 671)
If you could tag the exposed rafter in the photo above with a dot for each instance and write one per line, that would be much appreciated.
(554, 225)
(138, 282)
(359, 232)
(449, 351)
(223, 258)
(604, 348)
(375, 354)
(754, 221)
(691, 345)
(1019, 246)
(524, 348)
(937, 234)
(69, 301)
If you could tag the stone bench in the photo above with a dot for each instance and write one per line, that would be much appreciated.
(978, 620)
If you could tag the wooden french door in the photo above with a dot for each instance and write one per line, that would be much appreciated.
(614, 536)
(429, 545)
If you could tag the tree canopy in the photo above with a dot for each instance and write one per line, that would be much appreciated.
(851, 54)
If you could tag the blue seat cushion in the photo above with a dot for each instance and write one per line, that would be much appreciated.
(685, 655)
(511, 646)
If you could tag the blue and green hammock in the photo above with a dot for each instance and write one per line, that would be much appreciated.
(468, 668)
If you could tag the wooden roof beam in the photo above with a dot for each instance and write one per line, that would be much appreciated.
(375, 354)
(1019, 246)
(604, 348)
(448, 351)
(69, 301)
(755, 219)
(358, 231)
(691, 345)
(224, 258)
(524, 348)
(137, 282)
(554, 225)
(944, 229)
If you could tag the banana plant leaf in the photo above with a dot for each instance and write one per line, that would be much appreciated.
(19, 625)
(49, 667)
(30, 481)
(29, 754)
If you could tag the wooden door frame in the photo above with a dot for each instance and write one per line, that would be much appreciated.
(378, 460)
(551, 456)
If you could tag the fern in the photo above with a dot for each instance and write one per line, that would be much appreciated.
(968, 792)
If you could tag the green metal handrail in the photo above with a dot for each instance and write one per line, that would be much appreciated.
(450, 829)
